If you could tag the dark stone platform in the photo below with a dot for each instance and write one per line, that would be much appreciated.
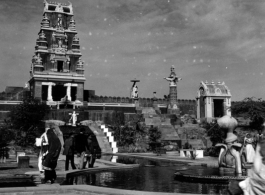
(7, 180)
(207, 174)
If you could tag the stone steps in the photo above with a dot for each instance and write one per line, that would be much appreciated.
(101, 138)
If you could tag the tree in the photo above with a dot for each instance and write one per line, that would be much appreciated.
(116, 125)
(127, 134)
(154, 136)
(6, 134)
(26, 119)
(216, 134)
(253, 109)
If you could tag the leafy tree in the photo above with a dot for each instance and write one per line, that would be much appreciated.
(133, 131)
(26, 120)
(127, 134)
(251, 108)
(6, 134)
(154, 136)
(116, 125)
(216, 134)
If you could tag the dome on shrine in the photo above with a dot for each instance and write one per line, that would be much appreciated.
(213, 89)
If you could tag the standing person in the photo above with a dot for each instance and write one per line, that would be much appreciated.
(91, 153)
(3, 152)
(42, 142)
(80, 147)
(51, 156)
(69, 151)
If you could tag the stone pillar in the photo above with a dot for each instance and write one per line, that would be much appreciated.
(68, 91)
(37, 90)
(80, 92)
(173, 103)
(198, 107)
(49, 98)
(228, 106)
(50, 84)
(173, 95)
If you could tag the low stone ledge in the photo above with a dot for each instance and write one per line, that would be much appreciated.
(77, 172)
(78, 189)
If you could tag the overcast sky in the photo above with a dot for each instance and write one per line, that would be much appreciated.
(219, 40)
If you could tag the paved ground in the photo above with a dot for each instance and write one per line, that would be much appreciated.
(10, 168)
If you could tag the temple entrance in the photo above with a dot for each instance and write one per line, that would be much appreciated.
(202, 106)
(60, 66)
(44, 92)
(58, 92)
(218, 108)
(73, 93)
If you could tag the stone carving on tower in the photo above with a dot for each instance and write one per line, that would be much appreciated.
(57, 70)
(173, 94)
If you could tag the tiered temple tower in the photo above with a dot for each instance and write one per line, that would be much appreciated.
(57, 71)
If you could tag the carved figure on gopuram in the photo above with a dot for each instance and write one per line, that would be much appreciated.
(173, 79)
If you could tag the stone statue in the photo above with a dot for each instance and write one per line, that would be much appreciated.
(59, 8)
(173, 79)
(247, 152)
(134, 90)
(59, 22)
(254, 184)
(73, 118)
(229, 156)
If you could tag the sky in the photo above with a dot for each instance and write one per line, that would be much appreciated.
(213, 40)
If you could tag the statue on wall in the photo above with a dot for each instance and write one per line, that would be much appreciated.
(134, 89)
(247, 152)
(59, 22)
(173, 79)
(73, 118)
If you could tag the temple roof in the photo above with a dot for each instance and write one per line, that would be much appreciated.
(58, 7)
(213, 89)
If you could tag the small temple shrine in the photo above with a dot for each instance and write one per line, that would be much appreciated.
(213, 100)
(57, 70)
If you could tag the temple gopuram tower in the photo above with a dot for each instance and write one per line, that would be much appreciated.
(173, 94)
(57, 71)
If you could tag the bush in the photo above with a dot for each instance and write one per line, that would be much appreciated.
(26, 118)
(213, 151)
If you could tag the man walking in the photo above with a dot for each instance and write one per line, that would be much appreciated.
(81, 146)
(69, 151)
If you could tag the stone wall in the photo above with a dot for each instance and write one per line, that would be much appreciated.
(186, 106)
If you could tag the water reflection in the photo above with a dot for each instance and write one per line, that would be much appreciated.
(159, 178)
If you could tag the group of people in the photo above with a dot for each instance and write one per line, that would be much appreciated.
(3, 152)
(51, 146)
(83, 147)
